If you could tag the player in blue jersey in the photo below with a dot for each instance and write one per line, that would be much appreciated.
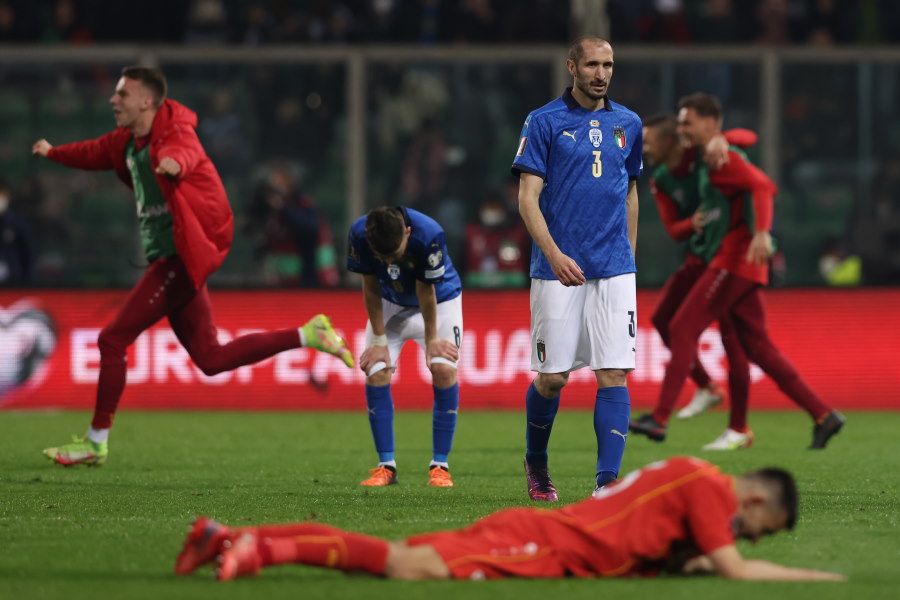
(412, 292)
(578, 161)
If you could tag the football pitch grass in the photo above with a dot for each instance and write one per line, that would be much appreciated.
(113, 532)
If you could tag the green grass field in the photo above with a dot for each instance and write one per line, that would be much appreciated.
(113, 532)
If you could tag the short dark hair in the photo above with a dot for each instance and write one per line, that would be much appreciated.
(665, 124)
(783, 488)
(384, 229)
(576, 48)
(150, 77)
(705, 105)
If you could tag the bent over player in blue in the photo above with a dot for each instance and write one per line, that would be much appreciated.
(578, 161)
(411, 292)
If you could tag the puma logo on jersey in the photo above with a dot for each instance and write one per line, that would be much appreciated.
(571, 135)
(617, 432)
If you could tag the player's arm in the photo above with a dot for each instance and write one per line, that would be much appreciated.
(434, 345)
(737, 176)
(678, 229)
(378, 351)
(715, 154)
(631, 213)
(566, 270)
(92, 155)
(179, 152)
(729, 563)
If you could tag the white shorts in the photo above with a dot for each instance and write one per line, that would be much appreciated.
(594, 324)
(403, 323)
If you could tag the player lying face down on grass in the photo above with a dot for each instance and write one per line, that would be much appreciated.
(681, 515)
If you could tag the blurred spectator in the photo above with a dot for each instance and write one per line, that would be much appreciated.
(224, 135)
(207, 23)
(18, 21)
(424, 171)
(720, 22)
(291, 234)
(838, 266)
(258, 24)
(475, 21)
(833, 22)
(330, 22)
(666, 23)
(64, 25)
(497, 247)
(16, 243)
(878, 235)
(779, 22)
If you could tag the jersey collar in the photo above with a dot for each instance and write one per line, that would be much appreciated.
(572, 103)
(405, 212)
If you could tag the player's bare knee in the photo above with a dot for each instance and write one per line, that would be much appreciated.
(442, 375)
(612, 378)
(550, 385)
(379, 378)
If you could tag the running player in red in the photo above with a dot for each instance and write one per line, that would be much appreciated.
(675, 186)
(186, 227)
(676, 516)
(732, 283)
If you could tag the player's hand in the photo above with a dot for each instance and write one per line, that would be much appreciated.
(41, 147)
(698, 220)
(372, 355)
(168, 166)
(760, 248)
(441, 348)
(566, 270)
(715, 154)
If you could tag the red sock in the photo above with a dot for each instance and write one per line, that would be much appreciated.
(323, 546)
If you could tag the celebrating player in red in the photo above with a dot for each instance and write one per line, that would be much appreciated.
(675, 186)
(186, 227)
(677, 516)
(731, 285)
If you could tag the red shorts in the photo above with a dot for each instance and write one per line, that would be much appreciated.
(509, 543)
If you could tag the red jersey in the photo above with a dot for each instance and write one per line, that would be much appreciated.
(737, 179)
(202, 221)
(651, 520)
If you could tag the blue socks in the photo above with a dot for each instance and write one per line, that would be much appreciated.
(611, 412)
(381, 419)
(540, 413)
(443, 421)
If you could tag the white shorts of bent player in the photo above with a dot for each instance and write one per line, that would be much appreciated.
(591, 325)
(402, 323)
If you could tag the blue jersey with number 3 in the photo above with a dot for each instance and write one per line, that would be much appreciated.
(586, 159)
(426, 259)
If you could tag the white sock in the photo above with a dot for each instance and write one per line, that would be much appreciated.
(439, 464)
(302, 337)
(98, 436)
(390, 463)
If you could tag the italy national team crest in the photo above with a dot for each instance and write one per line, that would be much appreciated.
(619, 134)
(541, 351)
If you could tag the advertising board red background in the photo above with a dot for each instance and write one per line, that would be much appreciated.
(845, 343)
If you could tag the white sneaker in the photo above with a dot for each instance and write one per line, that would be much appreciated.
(703, 400)
(731, 440)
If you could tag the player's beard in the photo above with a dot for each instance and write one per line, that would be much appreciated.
(590, 93)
